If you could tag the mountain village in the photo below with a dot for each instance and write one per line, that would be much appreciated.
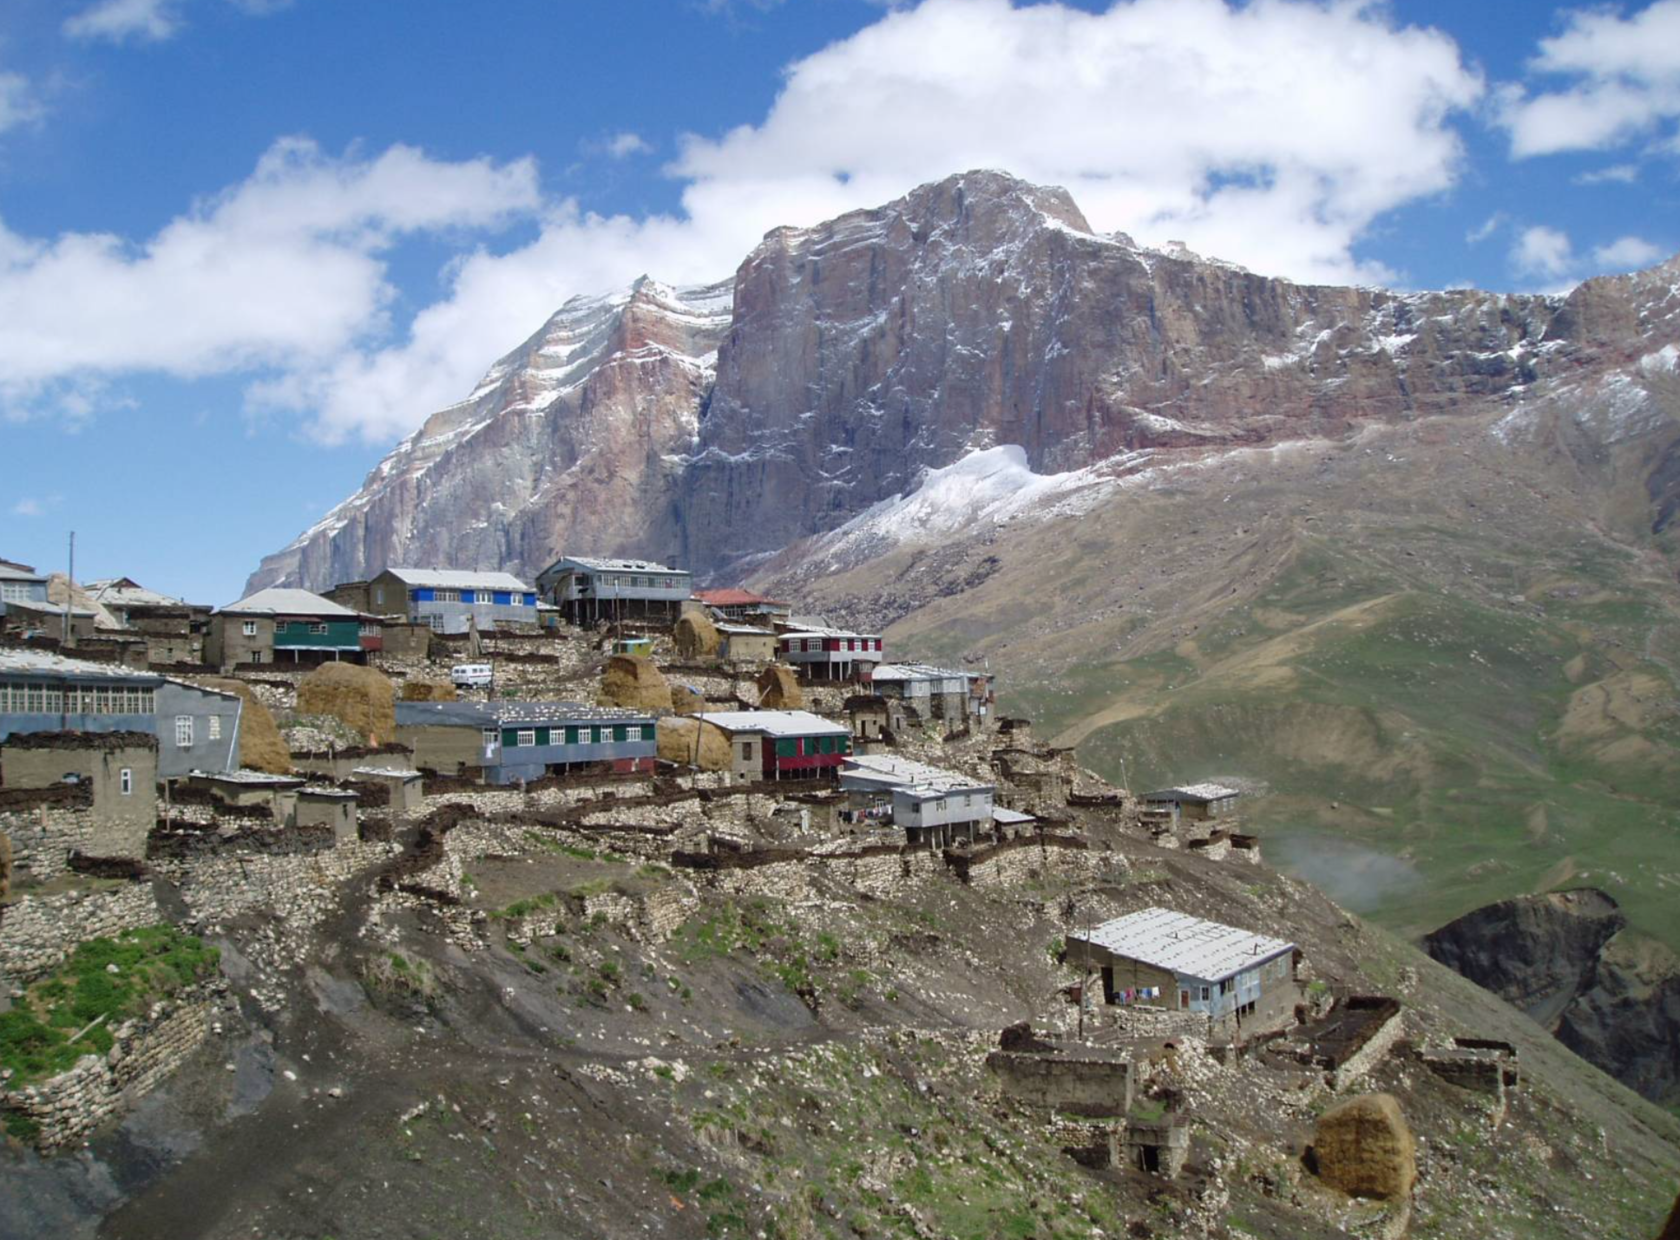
(608, 758)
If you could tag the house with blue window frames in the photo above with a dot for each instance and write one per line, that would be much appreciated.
(453, 600)
(510, 741)
(1242, 982)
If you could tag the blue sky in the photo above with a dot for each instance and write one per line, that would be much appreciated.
(246, 245)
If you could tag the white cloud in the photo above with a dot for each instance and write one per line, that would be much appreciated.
(1623, 83)
(283, 269)
(1485, 229)
(18, 105)
(27, 507)
(1619, 174)
(119, 20)
(1626, 254)
(1543, 251)
(621, 145)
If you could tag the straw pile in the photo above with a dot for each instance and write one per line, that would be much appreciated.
(633, 681)
(676, 744)
(1364, 1147)
(261, 747)
(359, 697)
(778, 689)
(428, 691)
(695, 636)
(687, 700)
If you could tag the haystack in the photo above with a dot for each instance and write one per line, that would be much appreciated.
(633, 681)
(359, 697)
(428, 691)
(261, 747)
(677, 744)
(1364, 1147)
(695, 635)
(687, 700)
(778, 689)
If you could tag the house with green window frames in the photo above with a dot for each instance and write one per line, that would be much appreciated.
(781, 744)
(512, 741)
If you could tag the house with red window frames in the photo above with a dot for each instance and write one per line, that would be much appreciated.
(781, 744)
(831, 654)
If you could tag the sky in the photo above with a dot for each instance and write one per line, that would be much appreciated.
(247, 245)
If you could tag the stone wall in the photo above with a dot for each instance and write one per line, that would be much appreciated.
(1377, 1046)
(1034, 857)
(1094, 1085)
(147, 1049)
(37, 933)
(44, 828)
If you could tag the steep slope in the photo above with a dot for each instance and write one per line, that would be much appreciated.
(580, 428)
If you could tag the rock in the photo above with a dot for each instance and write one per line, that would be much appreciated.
(360, 697)
(1364, 1148)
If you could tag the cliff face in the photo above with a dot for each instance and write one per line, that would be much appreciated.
(1562, 958)
(844, 361)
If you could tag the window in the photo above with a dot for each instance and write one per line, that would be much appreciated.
(379, 594)
(213, 728)
(490, 738)
(249, 628)
(36, 706)
(183, 731)
(746, 751)
(102, 700)
(787, 748)
(1204, 994)
(256, 656)
(317, 628)
(125, 780)
(526, 738)
(446, 596)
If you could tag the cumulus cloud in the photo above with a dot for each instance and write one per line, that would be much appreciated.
(1621, 82)
(1543, 251)
(624, 145)
(27, 507)
(1626, 254)
(1274, 133)
(117, 21)
(283, 269)
(1547, 254)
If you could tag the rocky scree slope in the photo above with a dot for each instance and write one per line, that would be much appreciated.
(854, 356)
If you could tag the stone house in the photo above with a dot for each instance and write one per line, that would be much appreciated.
(173, 630)
(1194, 802)
(780, 744)
(284, 625)
(513, 741)
(406, 787)
(824, 653)
(743, 643)
(931, 805)
(869, 717)
(119, 769)
(196, 729)
(588, 588)
(452, 600)
(931, 692)
(330, 807)
(278, 794)
(1244, 983)
(744, 607)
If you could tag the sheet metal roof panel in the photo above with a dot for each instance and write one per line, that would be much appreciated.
(1185, 945)
(774, 722)
(1193, 792)
(884, 771)
(501, 714)
(601, 564)
(462, 579)
(288, 601)
(42, 662)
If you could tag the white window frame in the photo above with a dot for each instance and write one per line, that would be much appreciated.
(525, 738)
(183, 731)
(249, 628)
(125, 780)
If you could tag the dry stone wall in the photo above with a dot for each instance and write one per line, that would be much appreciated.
(45, 833)
(37, 933)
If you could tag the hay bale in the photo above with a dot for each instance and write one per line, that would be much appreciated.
(261, 747)
(359, 697)
(695, 636)
(633, 681)
(428, 691)
(1364, 1147)
(687, 700)
(778, 689)
(677, 744)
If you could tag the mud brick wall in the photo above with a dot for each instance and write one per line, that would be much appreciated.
(1079, 1086)
(37, 933)
(72, 1104)
(45, 828)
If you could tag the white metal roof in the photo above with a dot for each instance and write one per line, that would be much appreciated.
(1010, 817)
(885, 772)
(288, 601)
(1193, 792)
(1184, 944)
(917, 671)
(386, 772)
(462, 579)
(599, 564)
(775, 722)
(244, 776)
(112, 595)
(744, 630)
(824, 631)
(16, 572)
(14, 660)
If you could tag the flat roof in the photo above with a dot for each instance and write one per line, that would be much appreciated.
(253, 778)
(499, 714)
(884, 771)
(386, 772)
(603, 564)
(744, 630)
(730, 597)
(43, 662)
(1011, 817)
(825, 631)
(464, 579)
(1193, 792)
(1180, 943)
(774, 722)
(916, 671)
(289, 601)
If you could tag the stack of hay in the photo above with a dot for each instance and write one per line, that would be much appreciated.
(359, 697)
(778, 689)
(260, 745)
(633, 681)
(677, 744)
(1364, 1147)
(695, 636)
(428, 691)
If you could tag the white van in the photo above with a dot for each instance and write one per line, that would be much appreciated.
(470, 675)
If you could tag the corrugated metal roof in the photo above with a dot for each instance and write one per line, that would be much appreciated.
(253, 778)
(916, 671)
(459, 579)
(733, 598)
(17, 572)
(744, 630)
(599, 564)
(884, 771)
(1193, 792)
(386, 772)
(13, 660)
(824, 631)
(498, 714)
(775, 722)
(1184, 944)
(288, 601)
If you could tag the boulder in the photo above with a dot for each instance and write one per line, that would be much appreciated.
(695, 636)
(261, 747)
(778, 689)
(633, 681)
(1364, 1147)
(359, 697)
